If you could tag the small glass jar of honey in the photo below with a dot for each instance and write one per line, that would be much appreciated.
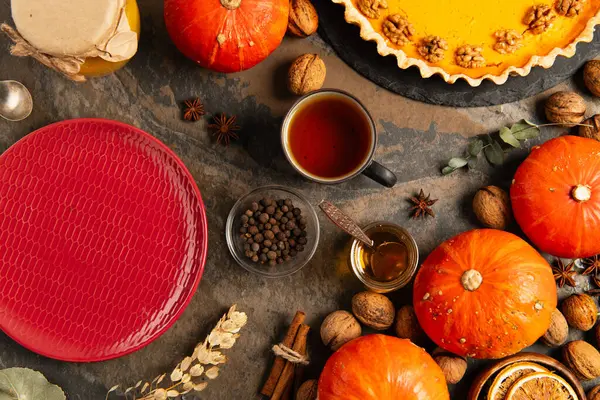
(392, 262)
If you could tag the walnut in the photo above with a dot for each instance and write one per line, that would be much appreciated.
(371, 7)
(580, 311)
(566, 108)
(558, 331)
(303, 20)
(583, 359)
(452, 365)
(433, 48)
(398, 29)
(374, 310)
(594, 394)
(539, 18)
(306, 74)
(339, 328)
(592, 130)
(407, 325)
(492, 207)
(591, 76)
(507, 41)
(308, 390)
(569, 8)
(468, 56)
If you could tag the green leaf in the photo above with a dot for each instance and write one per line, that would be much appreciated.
(448, 170)
(528, 122)
(27, 384)
(524, 130)
(494, 153)
(475, 147)
(457, 162)
(507, 137)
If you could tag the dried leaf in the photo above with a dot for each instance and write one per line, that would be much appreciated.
(129, 389)
(447, 170)
(112, 389)
(188, 386)
(202, 354)
(176, 375)
(457, 162)
(160, 394)
(185, 364)
(145, 387)
(161, 378)
(228, 341)
(238, 318)
(186, 378)
(212, 373)
(27, 384)
(197, 370)
(494, 153)
(475, 147)
(200, 386)
(507, 137)
(137, 385)
(172, 393)
(524, 130)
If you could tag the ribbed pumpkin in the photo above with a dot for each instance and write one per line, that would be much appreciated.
(380, 367)
(485, 293)
(227, 35)
(555, 197)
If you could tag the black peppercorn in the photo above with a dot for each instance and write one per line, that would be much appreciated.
(292, 243)
(280, 236)
(259, 237)
(249, 213)
(265, 250)
(261, 227)
(263, 258)
(267, 243)
(273, 247)
(264, 217)
(255, 258)
(302, 240)
(251, 221)
(290, 225)
(297, 211)
(246, 246)
(256, 214)
(255, 247)
(270, 210)
(278, 215)
(248, 253)
(254, 206)
(289, 215)
(273, 221)
(284, 220)
(285, 209)
(269, 235)
(297, 232)
(245, 219)
(243, 230)
(288, 202)
(281, 245)
(271, 255)
(268, 226)
(253, 230)
(275, 229)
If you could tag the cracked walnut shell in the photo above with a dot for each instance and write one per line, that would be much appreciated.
(468, 56)
(507, 41)
(569, 8)
(339, 328)
(303, 20)
(374, 310)
(398, 30)
(433, 48)
(371, 8)
(539, 18)
(582, 359)
(306, 74)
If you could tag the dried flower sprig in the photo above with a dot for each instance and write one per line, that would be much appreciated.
(492, 148)
(192, 372)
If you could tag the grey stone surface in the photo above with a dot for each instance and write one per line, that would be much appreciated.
(416, 139)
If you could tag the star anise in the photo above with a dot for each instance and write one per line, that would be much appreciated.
(224, 129)
(592, 265)
(194, 109)
(564, 274)
(422, 206)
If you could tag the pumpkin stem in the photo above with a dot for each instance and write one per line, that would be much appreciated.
(581, 193)
(471, 280)
(231, 4)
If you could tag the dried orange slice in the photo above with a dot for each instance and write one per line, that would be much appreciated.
(509, 375)
(541, 386)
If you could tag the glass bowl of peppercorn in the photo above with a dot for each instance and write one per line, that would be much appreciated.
(272, 231)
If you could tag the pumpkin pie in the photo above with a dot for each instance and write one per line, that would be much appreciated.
(474, 39)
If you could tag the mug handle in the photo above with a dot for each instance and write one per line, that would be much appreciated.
(380, 174)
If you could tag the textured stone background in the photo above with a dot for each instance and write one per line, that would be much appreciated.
(415, 142)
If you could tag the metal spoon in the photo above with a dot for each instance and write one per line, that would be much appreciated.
(379, 254)
(15, 101)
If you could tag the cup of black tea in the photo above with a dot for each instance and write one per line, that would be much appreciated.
(329, 137)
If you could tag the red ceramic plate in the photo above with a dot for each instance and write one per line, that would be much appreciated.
(103, 239)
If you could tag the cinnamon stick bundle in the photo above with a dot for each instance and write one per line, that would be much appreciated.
(269, 387)
(287, 375)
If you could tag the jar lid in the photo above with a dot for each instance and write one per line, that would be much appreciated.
(63, 33)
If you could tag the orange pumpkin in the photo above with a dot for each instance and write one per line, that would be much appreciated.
(485, 293)
(556, 197)
(379, 367)
(227, 35)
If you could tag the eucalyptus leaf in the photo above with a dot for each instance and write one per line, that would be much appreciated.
(27, 384)
(457, 162)
(448, 170)
(475, 147)
(524, 130)
(507, 137)
(494, 153)
(472, 163)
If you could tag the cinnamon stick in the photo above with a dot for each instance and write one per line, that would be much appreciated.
(299, 372)
(287, 394)
(287, 374)
(279, 364)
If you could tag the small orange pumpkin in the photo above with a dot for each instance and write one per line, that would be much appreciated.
(484, 294)
(227, 35)
(556, 197)
(380, 367)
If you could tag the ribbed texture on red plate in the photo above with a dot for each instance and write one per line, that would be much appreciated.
(103, 239)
